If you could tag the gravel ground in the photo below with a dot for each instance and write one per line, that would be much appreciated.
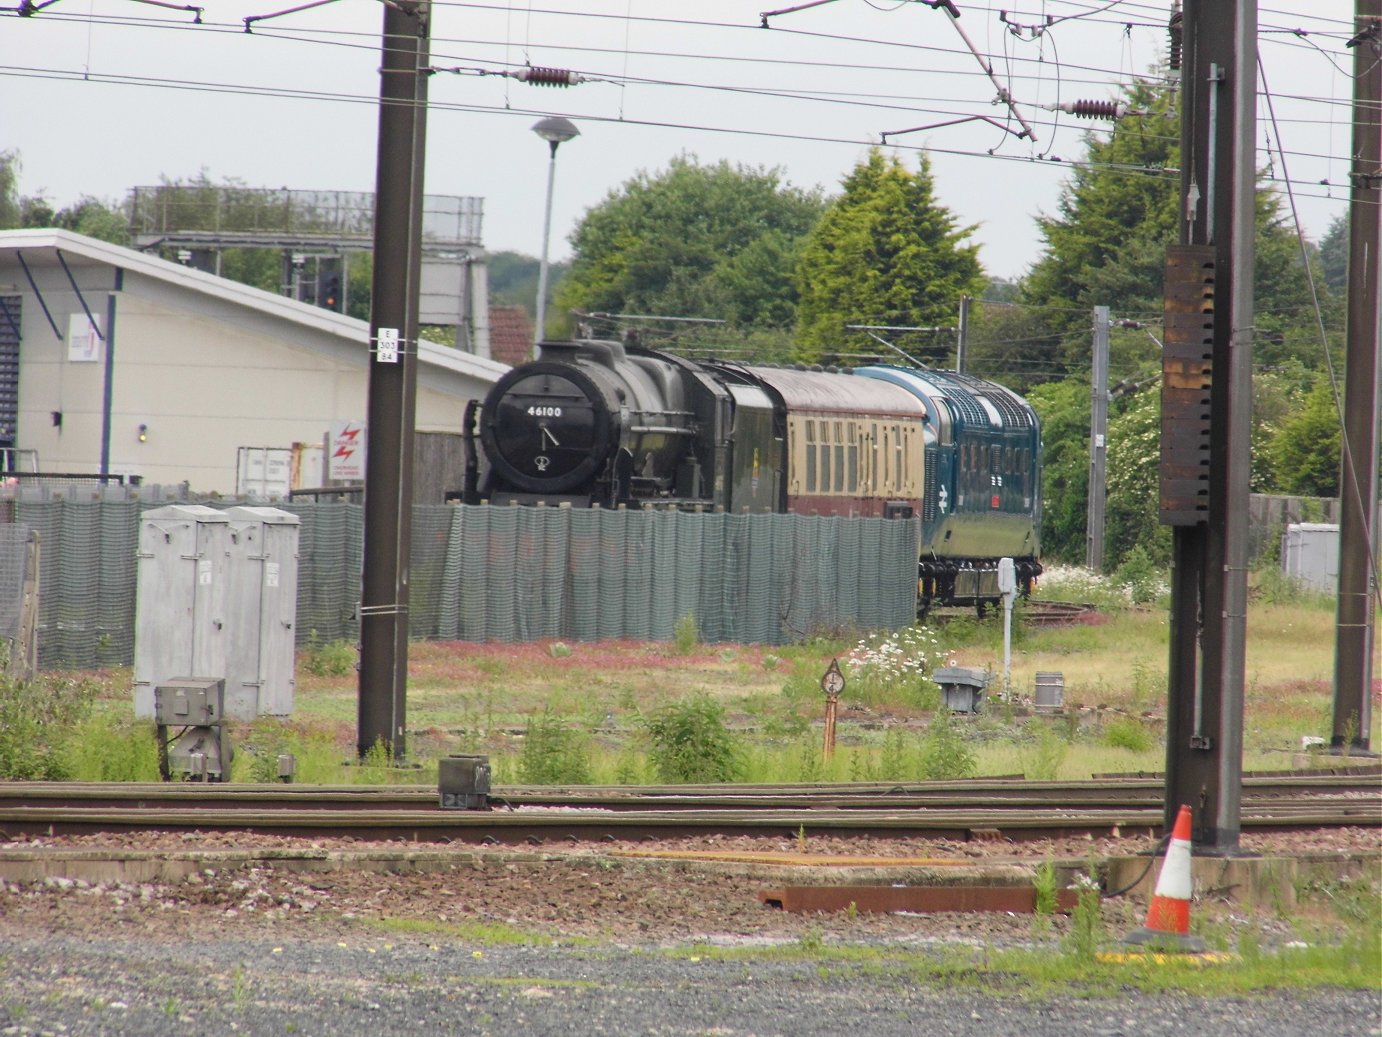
(267, 950)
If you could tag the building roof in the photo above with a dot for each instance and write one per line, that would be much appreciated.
(52, 247)
(510, 335)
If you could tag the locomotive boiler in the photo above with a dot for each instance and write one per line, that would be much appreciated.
(600, 423)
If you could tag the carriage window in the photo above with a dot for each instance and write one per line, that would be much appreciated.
(1007, 460)
(897, 459)
(810, 456)
(824, 453)
(873, 457)
(852, 454)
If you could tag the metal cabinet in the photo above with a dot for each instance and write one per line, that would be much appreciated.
(180, 613)
(261, 611)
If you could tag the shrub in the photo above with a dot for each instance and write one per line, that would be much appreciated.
(690, 743)
(685, 635)
(110, 748)
(37, 719)
(334, 659)
(553, 753)
(1127, 733)
(895, 667)
(944, 754)
(1144, 578)
(1044, 755)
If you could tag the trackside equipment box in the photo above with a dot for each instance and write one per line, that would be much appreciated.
(180, 613)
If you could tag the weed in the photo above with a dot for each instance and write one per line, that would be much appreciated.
(553, 753)
(812, 941)
(895, 667)
(896, 758)
(1144, 578)
(944, 754)
(485, 934)
(559, 650)
(171, 1007)
(333, 659)
(690, 742)
(108, 746)
(1127, 733)
(374, 765)
(686, 636)
(629, 770)
(810, 764)
(1046, 888)
(1043, 756)
(801, 839)
(1087, 920)
(37, 719)
(239, 988)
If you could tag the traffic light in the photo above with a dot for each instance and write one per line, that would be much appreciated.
(331, 289)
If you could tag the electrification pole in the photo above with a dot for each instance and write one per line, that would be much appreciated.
(1206, 401)
(393, 377)
(1358, 472)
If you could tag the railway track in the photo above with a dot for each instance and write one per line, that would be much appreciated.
(1009, 809)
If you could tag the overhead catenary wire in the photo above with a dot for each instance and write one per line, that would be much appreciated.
(1025, 71)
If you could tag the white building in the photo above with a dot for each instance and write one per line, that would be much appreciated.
(114, 360)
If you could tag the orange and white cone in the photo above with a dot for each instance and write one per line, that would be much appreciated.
(1168, 915)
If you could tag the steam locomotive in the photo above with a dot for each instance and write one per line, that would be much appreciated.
(600, 423)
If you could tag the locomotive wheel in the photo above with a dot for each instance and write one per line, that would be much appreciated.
(548, 427)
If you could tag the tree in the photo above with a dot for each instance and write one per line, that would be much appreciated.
(1107, 243)
(694, 241)
(1334, 254)
(1064, 410)
(1131, 507)
(1307, 449)
(883, 253)
(9, 190)
(96, 219)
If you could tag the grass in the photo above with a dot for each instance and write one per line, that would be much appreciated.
(598, 703)
(1334, 941)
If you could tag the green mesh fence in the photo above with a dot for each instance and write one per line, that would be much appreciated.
(514, 574)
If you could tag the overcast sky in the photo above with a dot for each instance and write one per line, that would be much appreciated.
(103, 95)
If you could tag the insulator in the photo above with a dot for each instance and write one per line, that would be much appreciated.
(1095, 109)
(1176, 29)
(539, 76)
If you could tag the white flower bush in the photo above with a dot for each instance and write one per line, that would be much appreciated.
(894, 664)
(1076, 583)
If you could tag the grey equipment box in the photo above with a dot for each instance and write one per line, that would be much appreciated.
(194, 705)
(179, 622)
(261, 611)
(962, 688)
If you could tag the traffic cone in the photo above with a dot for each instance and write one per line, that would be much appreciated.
(1168, 915)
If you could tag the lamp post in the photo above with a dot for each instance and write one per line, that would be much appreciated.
(554, 130)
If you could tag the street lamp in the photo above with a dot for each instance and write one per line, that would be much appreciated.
(554, 130)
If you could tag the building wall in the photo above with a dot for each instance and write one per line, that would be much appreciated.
(206, 367)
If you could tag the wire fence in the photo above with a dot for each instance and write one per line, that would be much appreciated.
(512, 574)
